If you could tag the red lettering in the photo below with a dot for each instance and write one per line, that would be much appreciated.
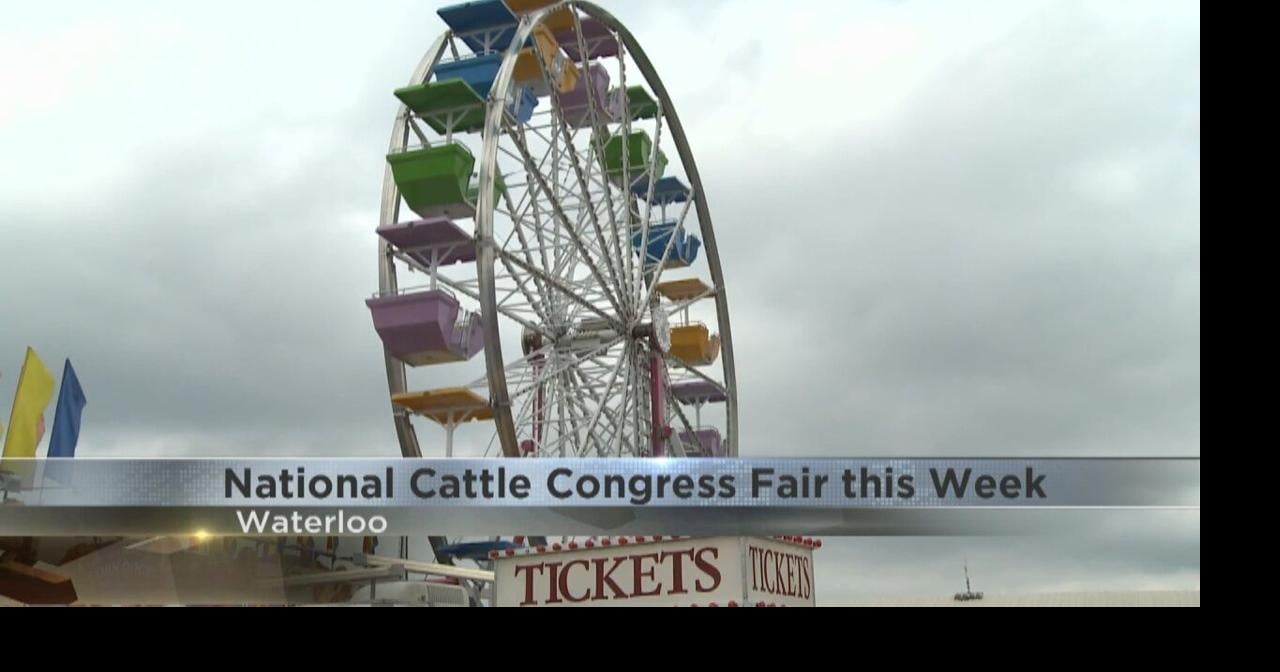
(777, 573)
(564, 582)
(708, 568)
(603, 577)
(637, 562)
(553, 583)
(528, 582)
(677, 569)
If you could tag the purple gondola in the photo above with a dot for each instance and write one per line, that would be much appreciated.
(575, 104)
(703, 443)
(427, 328)
(600, 41)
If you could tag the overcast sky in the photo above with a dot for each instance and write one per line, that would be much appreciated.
(948, 228)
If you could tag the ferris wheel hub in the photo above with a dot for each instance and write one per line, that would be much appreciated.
(657, 331)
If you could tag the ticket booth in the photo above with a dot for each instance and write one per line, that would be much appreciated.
(659, 571)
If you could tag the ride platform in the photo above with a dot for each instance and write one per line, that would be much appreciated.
(432, 242)
(451, 106)
(697, 392)
(450, 406)
(683, 290)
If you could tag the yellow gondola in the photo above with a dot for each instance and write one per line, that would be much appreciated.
(561, 71)
(695, 345)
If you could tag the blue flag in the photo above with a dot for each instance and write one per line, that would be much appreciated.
(66, 420)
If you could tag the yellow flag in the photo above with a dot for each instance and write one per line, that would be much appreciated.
(26, 421)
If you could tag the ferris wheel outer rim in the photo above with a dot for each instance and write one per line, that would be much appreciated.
(397, 377)
(486, 246)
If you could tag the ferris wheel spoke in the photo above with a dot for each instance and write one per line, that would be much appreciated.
(559, 286)
(602, 399)
(568, 440)
(640, 420)
(510, 264)
(524, 244)
(469, 292)
(522, 416)
(550, 161)
(601, 447)
(585, 444)
(568, 421)
(646, 221)
(518, 369)
(685, 304)
(624, 442)
(626, 385)
(522, 288)
(599, 131)
(540, 305)
(520, 209)
(569, 228)
(584, 184)
(696, 373)
(567, 256)
(564, 363)
(614, 260)
(533, 202)
(677, 442)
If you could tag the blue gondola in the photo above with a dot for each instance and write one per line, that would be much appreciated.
(485, 27)
(684, 251)
(479, 550)
(666, 191)
(479, 73)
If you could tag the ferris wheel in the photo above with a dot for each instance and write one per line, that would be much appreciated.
(549, 280)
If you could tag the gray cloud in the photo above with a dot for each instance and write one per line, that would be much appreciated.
(1007, 264)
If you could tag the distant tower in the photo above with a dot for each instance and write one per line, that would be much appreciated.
(968, 595)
